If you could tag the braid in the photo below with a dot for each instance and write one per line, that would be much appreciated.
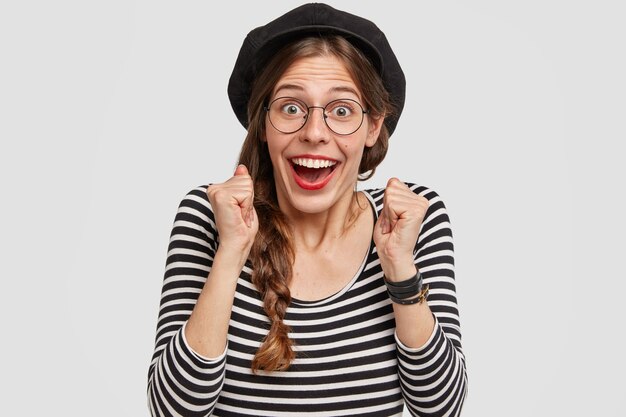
(272, 258)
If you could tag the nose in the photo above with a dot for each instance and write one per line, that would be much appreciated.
(315, 129)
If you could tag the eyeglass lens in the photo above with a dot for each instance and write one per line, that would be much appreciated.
(342, 116)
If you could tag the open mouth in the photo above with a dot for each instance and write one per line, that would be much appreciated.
(312, 173)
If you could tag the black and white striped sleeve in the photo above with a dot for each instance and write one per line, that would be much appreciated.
(181, 382)
(433, 378)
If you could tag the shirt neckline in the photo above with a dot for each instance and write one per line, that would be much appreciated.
(346, 288)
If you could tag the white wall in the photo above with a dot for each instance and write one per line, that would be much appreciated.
(111, 111)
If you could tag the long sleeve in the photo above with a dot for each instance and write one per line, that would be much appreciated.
(433, 378)
(181, 382)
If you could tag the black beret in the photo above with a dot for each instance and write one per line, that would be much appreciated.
(314, 18)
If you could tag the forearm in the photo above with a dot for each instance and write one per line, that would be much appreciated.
(431, 366)
(414, 322)
(433, 378)
(181, 383)
(207, 328)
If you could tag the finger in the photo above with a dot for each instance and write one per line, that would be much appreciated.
(241, 170)
(401, 204)
(389, 209)
(247, 204)
(383, 224)
(386, 215)
(247, 218)
(241, 199)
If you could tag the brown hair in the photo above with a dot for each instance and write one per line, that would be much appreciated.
(272, 254)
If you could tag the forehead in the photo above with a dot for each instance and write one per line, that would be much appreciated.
(320, 75)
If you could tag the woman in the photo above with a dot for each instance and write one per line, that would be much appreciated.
(287, 292)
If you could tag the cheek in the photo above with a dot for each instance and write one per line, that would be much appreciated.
(276, 147)
(355, 155)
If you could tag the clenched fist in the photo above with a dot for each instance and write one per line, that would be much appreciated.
(235, 217)
(397, 228)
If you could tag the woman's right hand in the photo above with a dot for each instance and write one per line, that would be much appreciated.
(235, 218)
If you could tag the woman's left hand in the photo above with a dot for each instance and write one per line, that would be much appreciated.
(397, 229)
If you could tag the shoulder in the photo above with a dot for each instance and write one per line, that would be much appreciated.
(195, 216)
(197, 197)
(195, 206)
(376, 195)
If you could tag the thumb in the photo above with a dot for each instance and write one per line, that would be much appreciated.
(241, 170)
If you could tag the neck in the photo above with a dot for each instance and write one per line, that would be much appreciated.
(312, 231)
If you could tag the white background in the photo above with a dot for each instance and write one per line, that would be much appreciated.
(110, 111)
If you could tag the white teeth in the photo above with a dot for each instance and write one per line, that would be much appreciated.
(313, 163)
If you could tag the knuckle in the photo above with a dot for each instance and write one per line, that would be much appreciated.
(393, 181)
(219, 193)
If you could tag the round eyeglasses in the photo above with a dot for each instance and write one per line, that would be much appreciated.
(288, 115)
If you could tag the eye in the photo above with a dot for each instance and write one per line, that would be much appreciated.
(291, 108)
(341, 109)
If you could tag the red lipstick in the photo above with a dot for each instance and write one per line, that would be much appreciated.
(312, 178)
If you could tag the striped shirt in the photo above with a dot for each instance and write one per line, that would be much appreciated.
(349, 361)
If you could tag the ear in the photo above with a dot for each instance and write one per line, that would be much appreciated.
(374, 126)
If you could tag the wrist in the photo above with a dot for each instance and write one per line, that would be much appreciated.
(400, 271)
(230, 258)
(407, 292)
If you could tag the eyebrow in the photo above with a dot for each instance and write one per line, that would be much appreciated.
(339, 89)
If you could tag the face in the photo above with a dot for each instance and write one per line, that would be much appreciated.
(316, 168)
